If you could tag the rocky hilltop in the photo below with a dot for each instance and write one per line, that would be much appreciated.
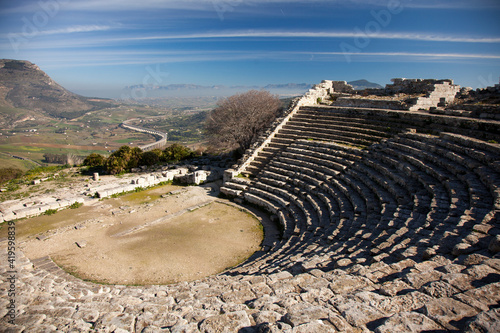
(24, 85)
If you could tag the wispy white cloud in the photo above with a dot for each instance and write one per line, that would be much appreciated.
(68, 59)
(421, 55)
(324, 34)
(76, 29)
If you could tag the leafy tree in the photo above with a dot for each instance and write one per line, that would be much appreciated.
(239, 119)
(125, 155)
(135, 157)
(151, 157)
(115, 165)
(94, 160)
(177, 152)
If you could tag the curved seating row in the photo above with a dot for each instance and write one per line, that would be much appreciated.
(404, 197)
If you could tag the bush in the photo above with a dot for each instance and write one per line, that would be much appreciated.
(126, 158)
(50, 212)
(177, 152)
(76, 205)
(151, 157)
(8, 174)
(94, 160)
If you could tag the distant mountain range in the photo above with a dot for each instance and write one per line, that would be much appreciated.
(185, 90)
(24, 85)
(364, 84)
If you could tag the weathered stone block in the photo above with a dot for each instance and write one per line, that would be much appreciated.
(225, 323)
(408, 322)
(488, 321)
(448, 312)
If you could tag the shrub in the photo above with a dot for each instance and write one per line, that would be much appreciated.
(8, 174)
(94, 160)
(76, 205)
(177, 152)
(50, 212)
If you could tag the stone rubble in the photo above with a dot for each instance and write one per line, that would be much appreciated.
(37, 205)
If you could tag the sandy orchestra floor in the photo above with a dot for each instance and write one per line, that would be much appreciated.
(150, 237)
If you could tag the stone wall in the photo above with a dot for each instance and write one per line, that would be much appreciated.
(414, 86)
(441, 95)
(370, 103)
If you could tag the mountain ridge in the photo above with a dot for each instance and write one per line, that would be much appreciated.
(24, 85)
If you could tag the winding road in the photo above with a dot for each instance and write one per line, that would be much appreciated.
(155, 145)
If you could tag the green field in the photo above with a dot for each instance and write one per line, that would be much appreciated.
(10, 162)
(95, 132)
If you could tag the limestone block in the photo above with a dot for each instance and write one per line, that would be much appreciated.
(266, 316)
(488, 295)
(314, 326)
(449, 312)
(417, 280)
(494, 245)
(9, 216)
(116, 321)
(20, 213)
(81, 244)
(359, 313)
(64, 203)
(302, 313)
(392, 288)
(402, 303)
(462, 248)
(408, 322)
(439, 289)
(225, 323)
(488, 321)
(348, 283)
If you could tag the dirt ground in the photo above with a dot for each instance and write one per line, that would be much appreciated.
(151, 237)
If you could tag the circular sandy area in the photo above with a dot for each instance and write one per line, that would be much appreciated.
(152, 237)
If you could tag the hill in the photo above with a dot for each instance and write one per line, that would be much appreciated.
(24, 85)
(364, 84)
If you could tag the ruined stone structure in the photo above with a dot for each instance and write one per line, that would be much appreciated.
(34, 206)
(389, 223)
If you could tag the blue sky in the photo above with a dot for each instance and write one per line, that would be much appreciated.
(98, 47)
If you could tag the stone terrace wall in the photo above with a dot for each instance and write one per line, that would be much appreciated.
(370, 103)
(413, 86)
(437, 92)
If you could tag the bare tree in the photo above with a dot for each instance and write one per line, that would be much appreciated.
(239, 119)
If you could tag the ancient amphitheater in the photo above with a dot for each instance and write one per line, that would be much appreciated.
(388, 203)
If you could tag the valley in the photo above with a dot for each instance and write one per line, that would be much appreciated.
(96, 132)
